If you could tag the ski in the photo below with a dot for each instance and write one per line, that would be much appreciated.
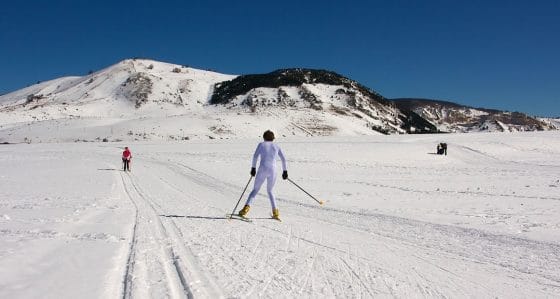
(237, 217)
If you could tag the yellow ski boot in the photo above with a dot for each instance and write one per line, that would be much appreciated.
(244, 211)
(276, 214)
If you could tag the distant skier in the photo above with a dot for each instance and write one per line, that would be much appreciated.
(268, 153)
(444, 148)
(126, 157)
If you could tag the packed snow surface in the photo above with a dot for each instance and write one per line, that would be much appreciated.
(398, 220)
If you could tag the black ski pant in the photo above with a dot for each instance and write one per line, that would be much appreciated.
(126, 164)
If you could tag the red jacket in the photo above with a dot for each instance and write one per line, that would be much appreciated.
(126, 154)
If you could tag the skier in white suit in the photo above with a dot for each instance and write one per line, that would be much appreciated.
(268, 152)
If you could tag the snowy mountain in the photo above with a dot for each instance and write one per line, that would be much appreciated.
(552, 122)
(139, 99)
(133, 99)
(149, 100)
(452, 117)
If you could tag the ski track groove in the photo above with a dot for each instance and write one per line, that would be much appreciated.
(308, 274)
(494, 158)
(269, 280)
(167, 251)
(431, 192)
(173, 235)
(127, 281)
(326, 278)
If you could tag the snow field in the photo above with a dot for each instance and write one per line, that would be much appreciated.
(398, 220)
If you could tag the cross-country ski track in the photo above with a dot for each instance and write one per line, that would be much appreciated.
(175, 240)
(269, 259)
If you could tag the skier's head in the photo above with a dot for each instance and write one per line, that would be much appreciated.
(126, 147)
(268, 135)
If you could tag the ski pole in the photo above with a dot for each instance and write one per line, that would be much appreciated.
(240, 197)
(319, 201)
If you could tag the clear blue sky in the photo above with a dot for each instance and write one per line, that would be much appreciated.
(493, 54)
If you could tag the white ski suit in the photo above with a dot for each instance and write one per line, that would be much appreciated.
(269, 152)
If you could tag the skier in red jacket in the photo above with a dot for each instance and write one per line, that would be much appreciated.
(126, 157)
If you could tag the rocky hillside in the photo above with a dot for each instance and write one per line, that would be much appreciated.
(323, 91)
(452, 117)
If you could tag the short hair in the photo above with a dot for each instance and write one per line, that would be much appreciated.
(268, 135)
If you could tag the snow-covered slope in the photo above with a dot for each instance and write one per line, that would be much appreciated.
(137, 82)
(149, 100)
(452, 117)
(129, 100)
(552, 122)
(398, 220)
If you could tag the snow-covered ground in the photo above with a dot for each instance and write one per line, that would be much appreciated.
(398, 220)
